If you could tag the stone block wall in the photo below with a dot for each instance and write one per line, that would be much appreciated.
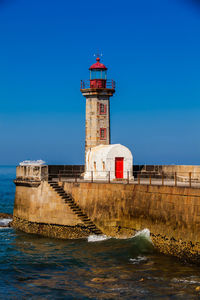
(41, 204)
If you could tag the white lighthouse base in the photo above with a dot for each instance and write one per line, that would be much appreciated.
(108, 163)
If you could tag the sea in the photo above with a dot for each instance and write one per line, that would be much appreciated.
(99, 267)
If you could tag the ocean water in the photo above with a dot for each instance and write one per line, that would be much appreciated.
(7, 188)
(34, 267)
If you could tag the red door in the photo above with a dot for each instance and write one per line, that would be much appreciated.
(119, 167)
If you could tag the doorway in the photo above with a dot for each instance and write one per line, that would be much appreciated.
(119, 167)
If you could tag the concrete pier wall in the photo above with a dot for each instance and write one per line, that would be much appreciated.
(172, 214)
(39, 209)
(172, 211)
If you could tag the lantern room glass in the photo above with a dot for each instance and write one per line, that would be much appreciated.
(98, 74)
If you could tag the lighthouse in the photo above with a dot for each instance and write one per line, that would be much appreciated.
(97, 91)
(103, 160)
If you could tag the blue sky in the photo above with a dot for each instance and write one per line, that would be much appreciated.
(152, 50)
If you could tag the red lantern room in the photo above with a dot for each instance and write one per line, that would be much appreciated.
(98, 78)
(98, 75)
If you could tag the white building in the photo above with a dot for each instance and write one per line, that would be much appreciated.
(109, 162)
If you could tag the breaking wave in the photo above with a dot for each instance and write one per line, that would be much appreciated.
(4, 222)
(145, 233)
(142, 234)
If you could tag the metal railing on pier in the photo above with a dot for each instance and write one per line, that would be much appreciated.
(178, 179)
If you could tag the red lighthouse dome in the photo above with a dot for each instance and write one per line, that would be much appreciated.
(98, 65)
(98, 74)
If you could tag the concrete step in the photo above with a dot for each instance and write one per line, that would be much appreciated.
(76, 210)
(68, 202)
(86, 218)
(89, 222)
(66, 197)
(74, 205)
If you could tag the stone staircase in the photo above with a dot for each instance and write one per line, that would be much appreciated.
(68, 199)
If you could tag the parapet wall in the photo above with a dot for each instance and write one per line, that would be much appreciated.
(180, 170)
(31, 172)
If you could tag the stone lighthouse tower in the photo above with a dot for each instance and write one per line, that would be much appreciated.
(97, 91)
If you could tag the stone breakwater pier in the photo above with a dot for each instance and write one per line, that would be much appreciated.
(56, 201)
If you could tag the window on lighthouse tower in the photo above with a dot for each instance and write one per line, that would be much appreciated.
(102, 109)
(102, 133)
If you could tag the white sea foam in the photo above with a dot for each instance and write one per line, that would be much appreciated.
(138, 260)
(4, 222)
(97, 238)
(187, 281)
(145, 233)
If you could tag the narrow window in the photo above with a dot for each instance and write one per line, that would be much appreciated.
(102, 109)
(102, 133)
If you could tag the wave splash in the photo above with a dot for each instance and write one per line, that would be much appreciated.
(97, 238)
(143, 234)
(4, 222)
(139, 259)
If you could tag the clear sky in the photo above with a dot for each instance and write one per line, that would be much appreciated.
(152, 50)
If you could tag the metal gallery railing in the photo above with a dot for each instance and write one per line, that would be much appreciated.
(108, 84)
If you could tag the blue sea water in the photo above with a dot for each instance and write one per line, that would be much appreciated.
(7, 188)
(34, 267)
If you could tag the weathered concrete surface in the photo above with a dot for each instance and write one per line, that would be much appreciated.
(5, 216)
(94, 118)
(172, 214)
(41, 204)
(51, 230)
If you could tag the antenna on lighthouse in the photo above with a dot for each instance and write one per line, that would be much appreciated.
(98, 54)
